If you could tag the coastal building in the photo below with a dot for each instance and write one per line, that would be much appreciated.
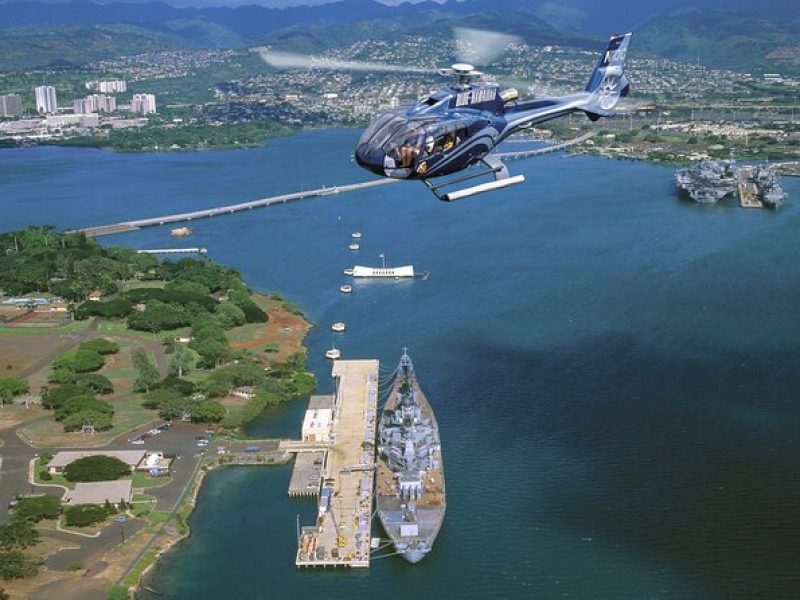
(155, 463)
(318, 420)
(132, 458)
(10, 105)
(143, 104)
(95, 103)
(46, 102)
(60, 121)
(100, 491)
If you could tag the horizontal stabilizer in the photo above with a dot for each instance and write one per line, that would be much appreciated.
(483, 187)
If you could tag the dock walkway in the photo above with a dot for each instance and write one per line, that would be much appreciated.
(341, 535)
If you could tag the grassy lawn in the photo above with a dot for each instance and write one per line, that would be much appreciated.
(135, 284)
(159, 516)
(122, 373)
(120, 328)
(143, 480)
(129, 414)
(245, 333)
(73, 327)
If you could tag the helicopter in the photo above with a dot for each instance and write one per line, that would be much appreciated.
(459, 127)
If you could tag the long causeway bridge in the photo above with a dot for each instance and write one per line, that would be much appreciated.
(135, 224)
(231, 208)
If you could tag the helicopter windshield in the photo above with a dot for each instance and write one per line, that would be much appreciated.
(396, 142)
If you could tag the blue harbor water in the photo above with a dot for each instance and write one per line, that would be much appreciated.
(615, 371)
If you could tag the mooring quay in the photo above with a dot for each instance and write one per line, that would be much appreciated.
(335, 462)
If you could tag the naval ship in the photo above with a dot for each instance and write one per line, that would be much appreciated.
(708, 182)
(711, 181)
(410, 477)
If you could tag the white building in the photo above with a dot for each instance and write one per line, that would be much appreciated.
(143, 104)
(95, 103)
(80, 120)
(112, 86)
(11, 105)
(318, 420)
(46, 102)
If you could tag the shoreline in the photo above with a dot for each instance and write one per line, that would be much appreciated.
(181, 514)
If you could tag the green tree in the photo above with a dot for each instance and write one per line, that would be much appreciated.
(148, 374)
(85, 515)
(176, 407)
(15, 565)
(96, 468)
(18, 534)
(182, 360)
(11, 387)
(56, 397)
(100, 421)
(101, 346)
(36, 508)
(79, 361)
(78, 404)
(229, 315)
(208, 411)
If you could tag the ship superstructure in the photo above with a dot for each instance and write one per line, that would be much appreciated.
(708, 182)
(410, 477)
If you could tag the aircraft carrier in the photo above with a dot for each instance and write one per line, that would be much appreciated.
(410, 477)
(756, 186)
(707, 182)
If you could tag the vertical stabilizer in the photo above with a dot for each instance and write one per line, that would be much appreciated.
(608, 82)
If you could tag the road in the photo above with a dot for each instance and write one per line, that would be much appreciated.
(16, 456)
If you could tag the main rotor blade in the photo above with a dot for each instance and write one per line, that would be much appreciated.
(481, 47)
(288, 60)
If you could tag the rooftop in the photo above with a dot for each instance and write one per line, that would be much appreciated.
(129, 457)
(99, 492)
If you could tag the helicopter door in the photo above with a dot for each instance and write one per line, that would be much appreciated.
(447, 136)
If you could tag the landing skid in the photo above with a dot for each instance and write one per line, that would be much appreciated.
(494, 166)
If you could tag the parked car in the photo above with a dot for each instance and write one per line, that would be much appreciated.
(202, 443)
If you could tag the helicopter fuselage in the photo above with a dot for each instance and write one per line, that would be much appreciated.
(450, 130)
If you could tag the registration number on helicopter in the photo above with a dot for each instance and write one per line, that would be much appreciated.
(475, 96)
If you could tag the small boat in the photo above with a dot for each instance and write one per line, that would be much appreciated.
(354, 246)
(346, 289)
(356, 235)
(349, 271)
(180, 232)
(333, 353)
(338, 326)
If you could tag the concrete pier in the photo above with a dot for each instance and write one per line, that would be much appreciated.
(341, 534)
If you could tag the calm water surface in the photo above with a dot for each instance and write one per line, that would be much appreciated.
(615, 372)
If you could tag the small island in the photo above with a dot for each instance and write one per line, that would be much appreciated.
(138, 364)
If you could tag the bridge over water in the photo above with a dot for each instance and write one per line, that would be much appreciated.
(283, 198)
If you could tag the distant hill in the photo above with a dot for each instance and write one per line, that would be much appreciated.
(745, 35)
(723, 39)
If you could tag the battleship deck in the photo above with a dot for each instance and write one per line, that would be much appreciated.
(341, 535)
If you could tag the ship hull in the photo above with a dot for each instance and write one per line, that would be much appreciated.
(410, 493)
